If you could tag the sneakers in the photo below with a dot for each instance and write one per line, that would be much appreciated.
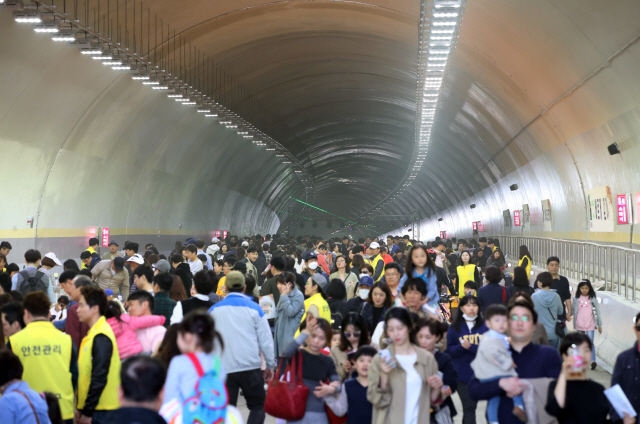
(593, 366)
(519, 412)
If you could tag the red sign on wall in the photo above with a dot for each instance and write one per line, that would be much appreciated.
(480, 227)
(475, 226)
(443, 234)
(217, 233)
(224, 234)
(623, 217)
(516, 218)
(105, 237)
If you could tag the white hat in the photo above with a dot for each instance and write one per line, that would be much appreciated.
(245, 243)
(374, 245)
(215, 240)
(137, 258)
(54, 258)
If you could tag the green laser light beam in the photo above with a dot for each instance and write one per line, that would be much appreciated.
(332, 214)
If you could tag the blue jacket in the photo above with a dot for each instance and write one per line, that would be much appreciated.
(492, 294)
(15, 409)
(535, 361)
(626, 373)
(462, 357)
(245, 332)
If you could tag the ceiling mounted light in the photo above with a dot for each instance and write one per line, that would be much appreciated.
(212, 115)
(188, 103)
(445, 15)
(159, 87)
(63, 38)
(140, 77)
(181, 100)
(41, 29)
(102, 57)
(177, 96)
(204, 111)
(90, 51)
(151, 83)
(112, 63)
(28, 19)
(128, 68)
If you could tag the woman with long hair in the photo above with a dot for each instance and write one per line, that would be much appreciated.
(402, 387)
(525, 259)
(342, 271)
(520, 282)
(378, 302)
(353, 335)
(177, 292)
(497, 259)
(289, 311)
(463, 338)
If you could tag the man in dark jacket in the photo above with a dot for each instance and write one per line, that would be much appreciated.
(290, 263)
(344, 248)
(626, 373)
(182, 270)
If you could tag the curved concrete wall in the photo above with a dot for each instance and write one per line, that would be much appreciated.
(84, 146)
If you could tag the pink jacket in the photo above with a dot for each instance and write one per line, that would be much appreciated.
(128, 344)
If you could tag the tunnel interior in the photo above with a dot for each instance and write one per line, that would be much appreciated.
(532, 96)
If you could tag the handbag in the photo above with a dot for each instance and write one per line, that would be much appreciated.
(333, 418)
(559, 330)
(288, 399)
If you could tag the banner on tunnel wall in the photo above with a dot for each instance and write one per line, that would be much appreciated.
(105, 237)
(622, 209)
(601, 214)
(516, 218)
(506, 214)
(546, 215)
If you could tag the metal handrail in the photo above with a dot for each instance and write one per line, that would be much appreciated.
(581, 259)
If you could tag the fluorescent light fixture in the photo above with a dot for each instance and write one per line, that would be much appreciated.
(204, 110)
(112, 63)
(160, 87)
(445, 15)
(46, 29)
(151, 83)
(286, 162)
(28, 20)
(226, 122)
(124, 68)
(442, 31)
(450, 23)
(63, 38)
(270, 149)
(90, 52)
(212, 115)
(181, 100)
(247, 136)
(140, 77)
(279, 156)
(188, 103)
(441, 37)
(102, 57)
(232, 127)
(177, 96)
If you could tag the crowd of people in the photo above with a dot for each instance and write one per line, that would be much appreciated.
(378, 330)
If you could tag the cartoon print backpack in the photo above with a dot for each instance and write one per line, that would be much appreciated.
(207, 404)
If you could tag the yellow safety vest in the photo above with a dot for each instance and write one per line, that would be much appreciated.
(374, 264)
(465, 273)
(90, 250)
(528, 265)
(109, 397)
(45, 353)
(319, 303)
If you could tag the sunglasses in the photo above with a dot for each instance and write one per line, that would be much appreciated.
(517, 318)
(354, 334)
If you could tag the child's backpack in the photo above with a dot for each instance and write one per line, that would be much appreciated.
(207, 404)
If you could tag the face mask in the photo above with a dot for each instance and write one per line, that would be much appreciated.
(469, 318)
(313, 265)
(363, 293)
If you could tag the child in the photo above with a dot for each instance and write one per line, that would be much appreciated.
(493, 360)
(586, 311)
(352, 400)
(124, 326)
(470, 288)
(196, 334)
(420, 265)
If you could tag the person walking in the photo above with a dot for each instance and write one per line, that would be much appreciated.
(246, 335)
(342, 271)
(402, 387)
(288, 313)
(626, 373)
(548, 306)
(111, 274)
(493, 293)
(520, 282)
(586, 310)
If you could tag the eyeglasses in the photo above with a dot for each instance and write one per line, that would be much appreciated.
(364, 272)
(517, 318)
(354, 334)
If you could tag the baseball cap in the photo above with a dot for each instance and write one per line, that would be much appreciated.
(190, 241)
(108, 292)
(113, 242)
(366, 281)
(374, 245)
(54, 258)
(310, 255)
(137, 258)
(162, 265)
(215, 240)
(320, 280)
(118, 263)
(245, 243)
(234, 280)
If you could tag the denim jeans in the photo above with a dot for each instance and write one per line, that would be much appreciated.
(494, 403)
(591, 334)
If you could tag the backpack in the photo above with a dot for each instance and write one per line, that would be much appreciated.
(207, 404)
(31, 284)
